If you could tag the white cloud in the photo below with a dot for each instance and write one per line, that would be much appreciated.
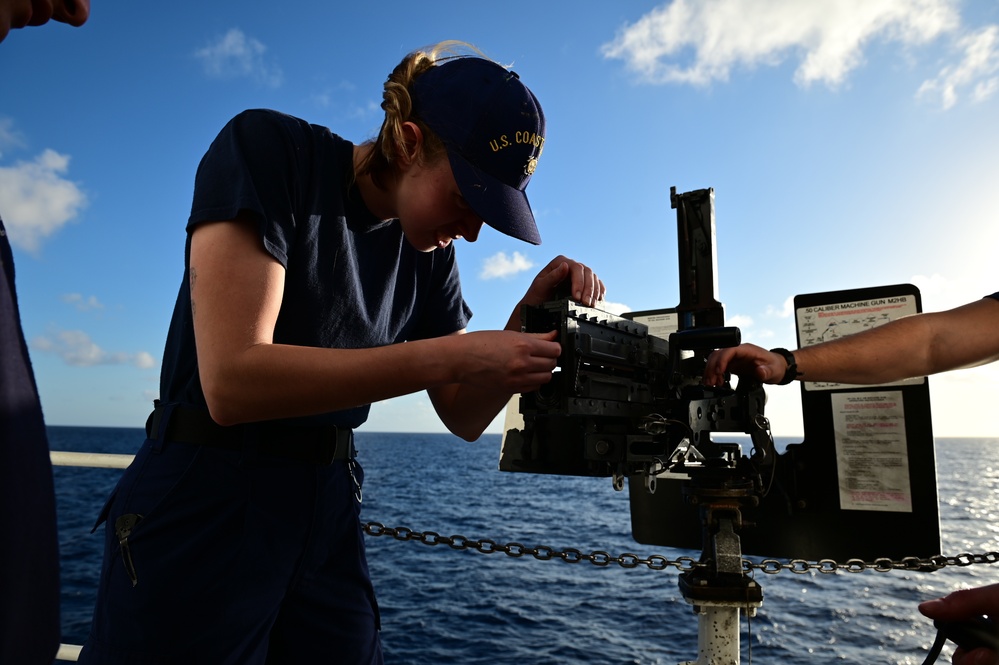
(37, 200)
(235, 55)
(740, 321)
(784, 311)
(978, 70)
(9, 137)
(341, 97)
(932, 285)
(79, 302)
(143, 360)
(502, 266)
(700, 41)
(613, 307)
(77, 349)
(940, 293)
(748, 330)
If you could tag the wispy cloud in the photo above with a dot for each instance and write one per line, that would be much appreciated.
(613, 307)
(37, 200)
(81, 303)
(342, 98)
(977, 71)
(786, 310)
(235, 55)
(940, 293)
(9, 137)
(501, 266)
(740, 321)
(698, 42)
(77, 349)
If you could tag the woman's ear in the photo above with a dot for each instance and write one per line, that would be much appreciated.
(410, 147)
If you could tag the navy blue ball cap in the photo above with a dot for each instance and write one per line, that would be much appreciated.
(494, 130)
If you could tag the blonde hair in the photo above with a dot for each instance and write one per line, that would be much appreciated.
(397, 103)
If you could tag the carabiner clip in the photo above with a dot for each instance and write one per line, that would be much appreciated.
(357, 486)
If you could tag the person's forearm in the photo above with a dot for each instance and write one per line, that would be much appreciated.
(471, 375)
(278, 381)
(918, 345)
(468, 410)
(894, 351)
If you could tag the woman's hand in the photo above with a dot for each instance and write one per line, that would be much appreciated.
(507, 361)
(585, 288)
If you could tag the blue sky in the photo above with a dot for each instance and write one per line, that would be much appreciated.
(850, 143)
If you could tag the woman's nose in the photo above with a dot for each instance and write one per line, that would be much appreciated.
(470, 228)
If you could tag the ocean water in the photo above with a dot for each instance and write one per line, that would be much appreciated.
(442, 605)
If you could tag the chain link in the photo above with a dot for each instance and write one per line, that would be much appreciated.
(542, 552)
(684, 563)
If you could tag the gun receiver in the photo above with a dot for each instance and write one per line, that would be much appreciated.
(624, 402)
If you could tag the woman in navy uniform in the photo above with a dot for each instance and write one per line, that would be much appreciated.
(321, 277)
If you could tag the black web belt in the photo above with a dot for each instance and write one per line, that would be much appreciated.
(317, 444)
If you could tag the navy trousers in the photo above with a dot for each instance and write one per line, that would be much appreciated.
(222, 557)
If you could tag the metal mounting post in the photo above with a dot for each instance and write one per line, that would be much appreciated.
(721, 591)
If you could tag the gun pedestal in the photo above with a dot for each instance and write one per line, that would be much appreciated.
(720, 590)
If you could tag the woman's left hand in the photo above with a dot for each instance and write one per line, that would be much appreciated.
(585, 288)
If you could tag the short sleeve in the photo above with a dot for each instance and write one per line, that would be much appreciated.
(255, 164)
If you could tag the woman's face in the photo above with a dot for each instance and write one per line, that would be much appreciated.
(431, 209)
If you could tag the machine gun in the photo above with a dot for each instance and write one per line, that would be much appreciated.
(624, 402)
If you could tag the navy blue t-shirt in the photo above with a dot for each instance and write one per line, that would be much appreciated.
(352, 280)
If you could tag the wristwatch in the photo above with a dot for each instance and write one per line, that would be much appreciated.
(792, 366)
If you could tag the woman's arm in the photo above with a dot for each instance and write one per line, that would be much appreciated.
(236, 292)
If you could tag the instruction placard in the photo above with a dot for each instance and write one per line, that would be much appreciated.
(660, 322)
(871, 451)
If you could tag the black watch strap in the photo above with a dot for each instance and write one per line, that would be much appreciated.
(792, 367)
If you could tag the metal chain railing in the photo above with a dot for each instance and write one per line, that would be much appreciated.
(683, 563)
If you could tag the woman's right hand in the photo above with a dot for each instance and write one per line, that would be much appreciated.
(508, 361)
